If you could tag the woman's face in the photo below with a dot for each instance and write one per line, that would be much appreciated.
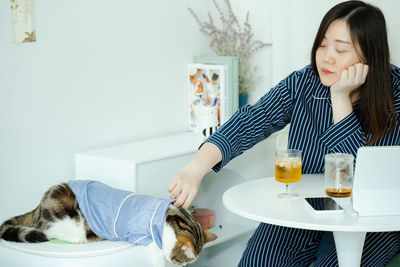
(335, 53)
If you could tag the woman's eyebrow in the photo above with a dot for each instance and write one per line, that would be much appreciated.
(337, 40)
(342, 41)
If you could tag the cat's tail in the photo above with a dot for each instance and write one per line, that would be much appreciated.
(18, 229)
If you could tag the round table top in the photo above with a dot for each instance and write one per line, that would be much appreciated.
(258, 200)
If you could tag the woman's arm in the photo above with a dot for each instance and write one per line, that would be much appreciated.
(344, 92)
(248, 126)
(185, 184)
(346, 135)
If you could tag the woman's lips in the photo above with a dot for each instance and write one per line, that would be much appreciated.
(325, 71)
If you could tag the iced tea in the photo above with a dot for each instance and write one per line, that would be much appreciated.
(338, 192)
(339, 174)
(288, 170)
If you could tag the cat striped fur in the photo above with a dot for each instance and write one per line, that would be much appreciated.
(58, 204)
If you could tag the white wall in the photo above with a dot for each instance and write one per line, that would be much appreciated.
(261, 24)
(295, 24)
(102, 73)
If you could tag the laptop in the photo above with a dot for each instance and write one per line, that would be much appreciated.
(376, 185)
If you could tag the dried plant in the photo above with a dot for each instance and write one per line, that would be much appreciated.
(233, 39)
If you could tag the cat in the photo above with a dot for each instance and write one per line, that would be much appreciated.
(86, 211)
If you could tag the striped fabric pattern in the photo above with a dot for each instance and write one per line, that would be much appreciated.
(302, 100)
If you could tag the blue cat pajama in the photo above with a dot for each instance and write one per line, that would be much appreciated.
(115, 214)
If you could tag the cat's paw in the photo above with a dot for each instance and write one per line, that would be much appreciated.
(78, 240)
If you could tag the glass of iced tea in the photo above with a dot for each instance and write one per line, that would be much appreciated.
(288, 169)
(339, 174)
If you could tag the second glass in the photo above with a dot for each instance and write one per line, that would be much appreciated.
(288, 169)
(339, 174)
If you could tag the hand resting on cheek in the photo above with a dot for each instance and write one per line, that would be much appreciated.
(350, 79)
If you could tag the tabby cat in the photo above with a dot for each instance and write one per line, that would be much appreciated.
(86, 211)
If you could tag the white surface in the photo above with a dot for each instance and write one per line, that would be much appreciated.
(349, 246)
(261, 24)
(145, 166)
(258, 200)
(230, 231)
(114, 172)
(151, 149)
(376, 187)
(49, 249)
(128, 257)
(122, 166)
(228, 254)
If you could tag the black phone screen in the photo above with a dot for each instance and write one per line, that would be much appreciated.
(323, 203)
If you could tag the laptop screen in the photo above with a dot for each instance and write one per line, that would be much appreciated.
(376, 186)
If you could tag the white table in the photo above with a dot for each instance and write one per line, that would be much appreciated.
(257, 200)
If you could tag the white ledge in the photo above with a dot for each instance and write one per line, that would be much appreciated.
(153, 149)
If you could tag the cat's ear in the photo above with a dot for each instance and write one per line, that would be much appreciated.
(209, 236)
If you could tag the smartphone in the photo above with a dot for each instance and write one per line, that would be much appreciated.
(323, 205)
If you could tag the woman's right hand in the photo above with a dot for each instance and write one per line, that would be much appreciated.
(184, 187)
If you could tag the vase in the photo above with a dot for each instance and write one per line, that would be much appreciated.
(243, 99)
(205, 217)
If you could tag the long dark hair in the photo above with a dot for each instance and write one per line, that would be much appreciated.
(367, 26)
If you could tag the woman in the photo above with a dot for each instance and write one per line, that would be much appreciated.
(347, 98)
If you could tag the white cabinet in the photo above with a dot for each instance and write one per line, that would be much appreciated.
(142, 166)
(147, 166)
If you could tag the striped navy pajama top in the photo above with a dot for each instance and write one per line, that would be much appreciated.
(304, 102)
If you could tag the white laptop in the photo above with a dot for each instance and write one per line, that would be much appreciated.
(376, 186)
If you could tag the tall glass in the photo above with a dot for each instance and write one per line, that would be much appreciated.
(339, 174)
(288, 169)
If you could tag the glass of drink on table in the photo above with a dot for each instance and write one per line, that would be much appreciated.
(288, 169)
(339, 174)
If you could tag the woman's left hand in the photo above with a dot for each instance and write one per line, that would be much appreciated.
(350, 79)
(344, 92)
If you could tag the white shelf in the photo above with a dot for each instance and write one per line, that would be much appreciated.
(231, 231)
(123, 166)
(151, 149)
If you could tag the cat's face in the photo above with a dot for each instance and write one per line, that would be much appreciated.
(183, 237)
